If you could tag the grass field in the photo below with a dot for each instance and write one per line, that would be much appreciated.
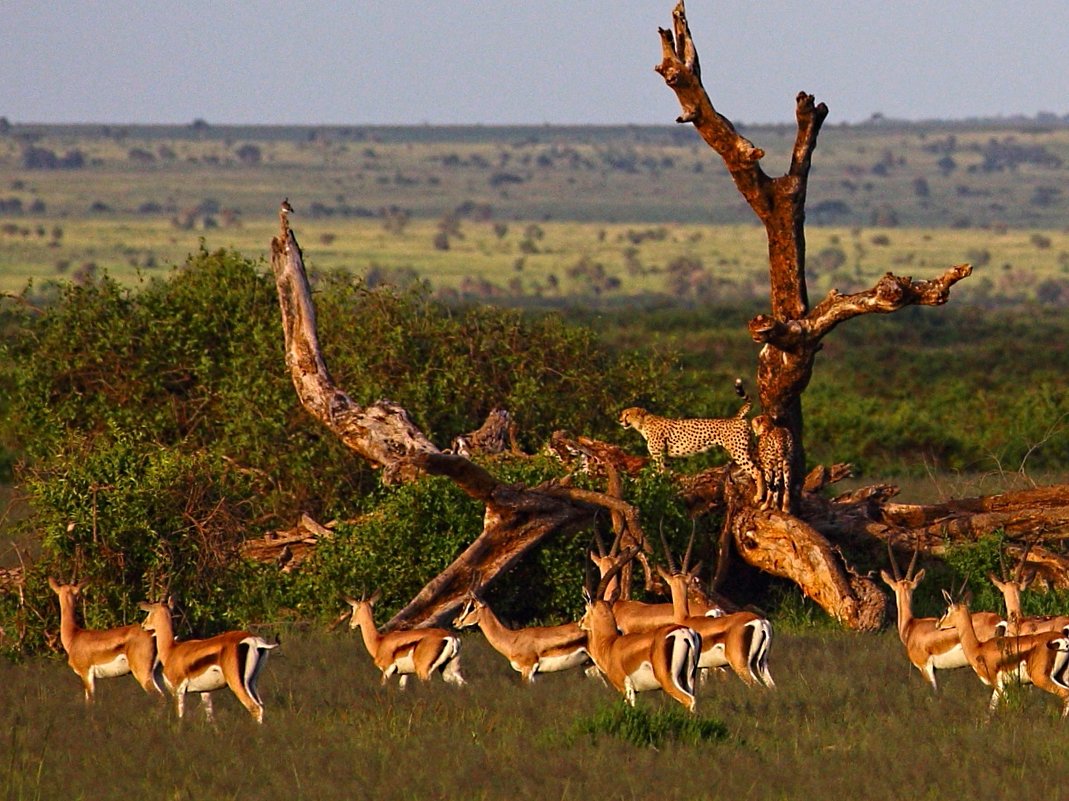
(542, 212)
(553, 261)
(849, 719)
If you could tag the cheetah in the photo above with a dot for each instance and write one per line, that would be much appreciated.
(669, 437)
(775, 448)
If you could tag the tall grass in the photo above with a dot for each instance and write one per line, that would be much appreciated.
(850, 719)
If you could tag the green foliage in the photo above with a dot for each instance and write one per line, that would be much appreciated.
(970, 565)
(158, 429)
(450, 367)
(645, 729)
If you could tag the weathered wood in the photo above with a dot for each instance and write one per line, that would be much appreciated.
(516, 519)
(791, 333)
(381, 433)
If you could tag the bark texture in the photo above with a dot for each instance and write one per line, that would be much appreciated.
(791, 334)
(516, 518)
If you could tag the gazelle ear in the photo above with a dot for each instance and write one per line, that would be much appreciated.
(375, 596)
(918, 577)
(947, 597)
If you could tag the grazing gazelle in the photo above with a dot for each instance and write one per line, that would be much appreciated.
(1038, 659)
(664, 659)
(419, 651)
(927, 646)
(530, 650)
(101, 654)
(233, 659)
(740, 640)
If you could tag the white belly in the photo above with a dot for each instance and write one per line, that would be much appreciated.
(643, 679)
(714, 657)
(954, 658)
(551, 664)
(210, 679)
(116, 667)
(406, 664)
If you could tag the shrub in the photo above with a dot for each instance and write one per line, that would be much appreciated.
(161, 427)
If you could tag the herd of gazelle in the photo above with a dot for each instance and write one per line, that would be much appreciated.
(636, 647)
(1001, 651)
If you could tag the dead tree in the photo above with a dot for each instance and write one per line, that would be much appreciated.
(805, 546)
(516, 518)
(792, 333)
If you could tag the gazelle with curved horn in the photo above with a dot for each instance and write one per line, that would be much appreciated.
(103, 653)
(1039, 659)
(663, 659)
(634, 617)
(928, 647)
(233, 659)
(530, 650)
(740, 640)
(420, 651)
(1011, 590)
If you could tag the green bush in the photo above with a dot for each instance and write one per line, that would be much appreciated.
(157, 429)
(645, 729)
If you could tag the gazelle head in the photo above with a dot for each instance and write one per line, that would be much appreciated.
(599, 597)
(897, 581)
(158, 614)
(957, 608)
(360, 606)
(685, 573)
(469, 613)
(1012, 587)
(71, 590)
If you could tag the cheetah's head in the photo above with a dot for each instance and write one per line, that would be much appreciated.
(632, 416)
(761, 424)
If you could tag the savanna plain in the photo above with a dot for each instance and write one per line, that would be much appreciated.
(639, 234)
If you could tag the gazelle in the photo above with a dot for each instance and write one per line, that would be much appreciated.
(233, 659)
(530, 650)
(928, 647)
(102, 654)
(1038, 659)
(1017, 623)
(634, 617)
(419, 651)
(740, 640)
(663, 659)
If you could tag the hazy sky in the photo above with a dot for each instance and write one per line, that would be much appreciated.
(522, 61)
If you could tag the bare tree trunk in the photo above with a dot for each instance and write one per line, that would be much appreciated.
(791, 334)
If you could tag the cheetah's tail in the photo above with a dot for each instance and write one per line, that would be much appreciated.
(740, 390)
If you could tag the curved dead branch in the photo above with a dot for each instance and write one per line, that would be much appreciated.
(381, 433)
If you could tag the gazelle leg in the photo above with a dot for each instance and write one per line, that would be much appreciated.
(206, 702)
(451, 672)
(89, 686)
(402, 681)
